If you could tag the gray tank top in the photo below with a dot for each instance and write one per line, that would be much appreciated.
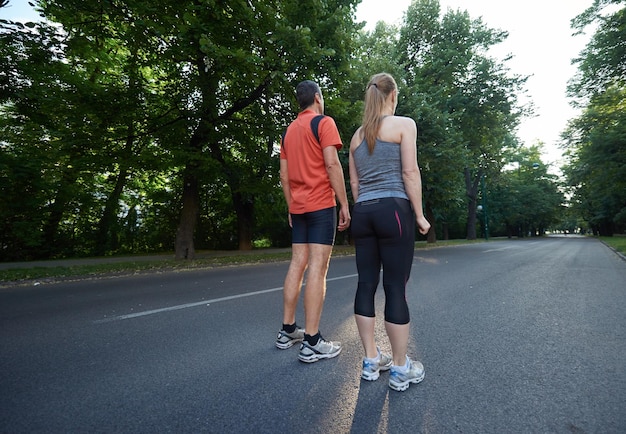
(380, 174)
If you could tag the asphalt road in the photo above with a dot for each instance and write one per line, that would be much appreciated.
(517, 336)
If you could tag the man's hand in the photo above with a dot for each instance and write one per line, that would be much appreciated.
(344, 218)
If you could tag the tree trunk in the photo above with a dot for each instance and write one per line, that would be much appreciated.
(244, 208)
(56, 211)
(471, 219)
(189, 214)
(431, 236)
(184, 246)
(105, 239)
(471, 189)
(605, 229)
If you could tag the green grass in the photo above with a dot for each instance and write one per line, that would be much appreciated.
(50, 274)
(618, 242)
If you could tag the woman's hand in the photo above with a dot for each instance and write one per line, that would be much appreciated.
(422, 225)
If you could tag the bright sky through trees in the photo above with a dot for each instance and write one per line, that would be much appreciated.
(541, 41)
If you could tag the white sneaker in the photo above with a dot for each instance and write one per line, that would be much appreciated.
(322, 350)
(372, 367)
(401, 376)
(286, 340)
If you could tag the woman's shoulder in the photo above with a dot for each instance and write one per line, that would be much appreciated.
(357, 138)
(402, 119)
(394, 128)
(404, 124)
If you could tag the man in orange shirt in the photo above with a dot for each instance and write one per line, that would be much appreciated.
(312, 181)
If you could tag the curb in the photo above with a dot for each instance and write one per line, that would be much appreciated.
(620, 254)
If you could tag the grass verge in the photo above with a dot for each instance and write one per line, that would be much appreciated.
(68, 272)
(618, 242)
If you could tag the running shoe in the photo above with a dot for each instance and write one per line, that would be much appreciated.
(322, 350)
(372, 367)
(287, 340)
(401, 376)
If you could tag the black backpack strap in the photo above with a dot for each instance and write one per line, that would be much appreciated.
(315, 122)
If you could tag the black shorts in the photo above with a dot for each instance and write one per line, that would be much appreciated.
(317, 227)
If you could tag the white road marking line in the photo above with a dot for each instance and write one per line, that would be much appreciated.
(200, 303)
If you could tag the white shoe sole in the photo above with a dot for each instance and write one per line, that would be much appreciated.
(370, 376)
(289, 344)
(373, 376)
(401, 387)
(315, 357)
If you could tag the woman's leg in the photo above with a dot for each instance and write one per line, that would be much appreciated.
(396, 252)
(368, 267)
(399, 339)
(366, 326)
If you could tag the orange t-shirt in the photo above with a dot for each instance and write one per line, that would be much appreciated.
(308, 181)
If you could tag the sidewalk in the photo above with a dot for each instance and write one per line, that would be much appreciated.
(144, 258)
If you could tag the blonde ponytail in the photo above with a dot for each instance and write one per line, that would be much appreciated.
(378, 89)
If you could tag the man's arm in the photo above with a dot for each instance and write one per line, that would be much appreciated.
(354, 177)
(284, 182)
(337, 182)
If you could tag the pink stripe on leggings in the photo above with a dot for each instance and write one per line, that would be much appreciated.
(399, 223)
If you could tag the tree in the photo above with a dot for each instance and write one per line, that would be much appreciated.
(595, 141)
(206, 87)
(465, 102)
(33, 124)
(93, 104)
(526, 199)
(597, 162)
(242, 79)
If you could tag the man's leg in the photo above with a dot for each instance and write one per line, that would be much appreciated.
(315, 291)
(293, 281)
(314, 347)
(320, 235)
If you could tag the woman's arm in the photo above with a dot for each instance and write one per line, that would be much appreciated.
(411, 173)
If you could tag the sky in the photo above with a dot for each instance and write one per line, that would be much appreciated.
(18, 10)
(540, 40)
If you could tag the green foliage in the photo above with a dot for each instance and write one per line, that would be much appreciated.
(525, 199)
(151, 120)
(595, 141)
(195, 90)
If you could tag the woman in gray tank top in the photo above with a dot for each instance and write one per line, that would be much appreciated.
(387, 190)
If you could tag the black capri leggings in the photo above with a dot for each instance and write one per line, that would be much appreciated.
(384, 234)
